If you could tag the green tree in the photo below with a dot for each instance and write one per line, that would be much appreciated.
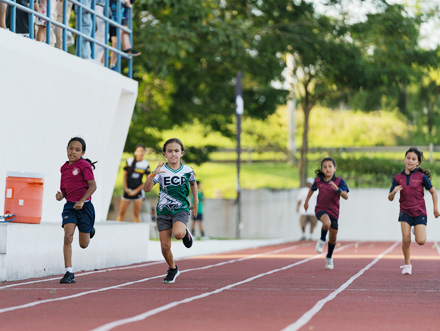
(191, 52)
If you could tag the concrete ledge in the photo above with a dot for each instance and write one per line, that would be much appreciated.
(36, 250)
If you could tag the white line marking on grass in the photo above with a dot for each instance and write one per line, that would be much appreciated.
(158, 310)
(35, 303)
(304, 319)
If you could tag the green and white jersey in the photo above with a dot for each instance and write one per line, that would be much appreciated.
(174, 189)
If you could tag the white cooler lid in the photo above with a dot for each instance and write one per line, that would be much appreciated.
(24, 174)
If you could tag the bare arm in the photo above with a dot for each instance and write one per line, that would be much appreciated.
(434, 201)
(393, 192)
(194, 191)
(306, 203)
(343, 194)
(149, 183)
(87, 195)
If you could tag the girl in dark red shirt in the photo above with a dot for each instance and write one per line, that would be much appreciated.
(411, 184)
(327, 206)
(77, 186)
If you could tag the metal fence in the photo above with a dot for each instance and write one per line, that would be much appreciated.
(82, 9)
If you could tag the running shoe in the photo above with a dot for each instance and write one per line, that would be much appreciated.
(188, 239)
(132, 51)
(320, 246)
(329, 263)
(92, 234)
(406, 269)
(68, 278)
(171, 275)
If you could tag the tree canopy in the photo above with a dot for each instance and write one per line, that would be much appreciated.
(192, 50)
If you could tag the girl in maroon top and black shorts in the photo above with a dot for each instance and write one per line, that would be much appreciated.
(77, 186)
(411, 184)
(327, 206)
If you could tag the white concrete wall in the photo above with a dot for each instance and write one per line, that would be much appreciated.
(36, 250)
(366, 215)
(48, 96)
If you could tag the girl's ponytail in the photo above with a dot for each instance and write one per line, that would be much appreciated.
(91, 163)
(319, 173)
(427, 172)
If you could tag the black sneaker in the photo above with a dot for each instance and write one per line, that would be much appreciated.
(132, 51)
(92, 234)
(171, 275)
(68, 278)
(188, 239)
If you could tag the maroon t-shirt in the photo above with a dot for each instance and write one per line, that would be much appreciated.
(74, 179)
(328, 197)
(412, 199)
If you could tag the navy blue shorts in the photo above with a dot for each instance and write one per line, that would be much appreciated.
(199, 217)
(334, 221)
(84, 218)
(412, 221)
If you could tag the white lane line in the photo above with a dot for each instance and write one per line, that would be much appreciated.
(157, 310)
(304, 319)
(81, 274)
(111, 269)
(35, 303)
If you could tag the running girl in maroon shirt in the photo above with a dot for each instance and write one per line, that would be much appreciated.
(411, 183)
(77, 186)
(327, 207)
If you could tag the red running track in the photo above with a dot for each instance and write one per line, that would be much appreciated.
(281, 287)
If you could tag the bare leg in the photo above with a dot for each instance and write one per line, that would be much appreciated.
(201, 227)
(125, 40)
(420, 233)
(122, 209)
(406, 241)
(3, 10)
(84, 239)
(41, 33)
(69, 230)
(113, 57)
(325, 219)
(137, 210)
(179, 230)
(165, 245)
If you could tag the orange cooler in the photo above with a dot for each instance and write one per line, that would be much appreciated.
(24, 196)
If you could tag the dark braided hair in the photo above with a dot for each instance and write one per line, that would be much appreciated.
(318, 172)
(132, 167)
(420, 157)
(83, 145)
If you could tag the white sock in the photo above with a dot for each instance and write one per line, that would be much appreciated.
(69, 269)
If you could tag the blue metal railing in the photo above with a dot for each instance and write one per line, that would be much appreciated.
(78, 31)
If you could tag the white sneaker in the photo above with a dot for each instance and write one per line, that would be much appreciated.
(320, 245)
(406, 269)
(329, 263)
